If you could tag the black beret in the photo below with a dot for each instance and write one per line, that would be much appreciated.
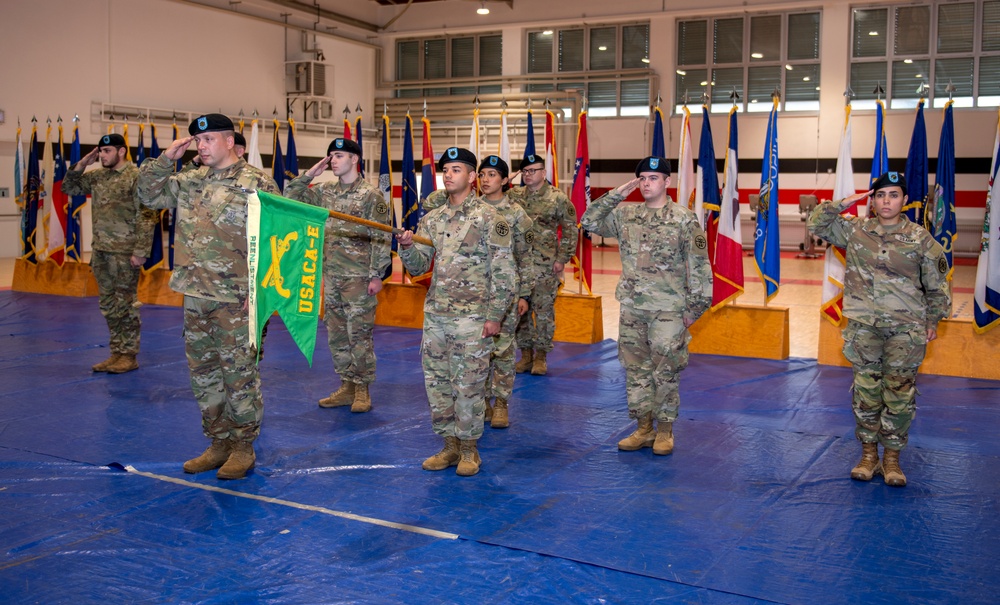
(344, 145)
(532, 159)
(890, 179)
(238, 139)
(653, 164)
(457, 154)
(212, 122)
(497, 163)
(111, 140)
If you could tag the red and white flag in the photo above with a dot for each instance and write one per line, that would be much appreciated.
(834, 265)
(727, 266)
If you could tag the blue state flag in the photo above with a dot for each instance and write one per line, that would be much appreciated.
(291, 154)
(361, 144)
(941, 216)
(880, 156)
(708, 183)
(385, 184)
(766, 243)
(74, 221)
(529, 139)
(987, 291)
(411, 207)
(659, 144)
(916, 169)
(32, 198)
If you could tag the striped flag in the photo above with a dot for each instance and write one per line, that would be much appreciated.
(834, 263)
(767, 251)
(686, 182)
(916, 169)
(59, 206)
(551, 165)
(941, 214)
(727, 263)
(987, 291)
(659, 148)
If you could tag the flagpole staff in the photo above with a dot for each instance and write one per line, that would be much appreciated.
(350, 218)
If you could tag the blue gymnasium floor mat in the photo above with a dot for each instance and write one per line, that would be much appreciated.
(753, 507)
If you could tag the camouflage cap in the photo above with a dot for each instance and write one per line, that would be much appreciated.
(211, 122)
(890, 179)
(653, 164)
(111, 140)
(457, 154)
(495, 162)
(344, 145)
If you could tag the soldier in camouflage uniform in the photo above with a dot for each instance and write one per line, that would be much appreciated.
(123, 238)
(355, 258)
(665, 286)
(493, 172)
(210, 269)
(472, 287)
(895, 293)
(549, 209)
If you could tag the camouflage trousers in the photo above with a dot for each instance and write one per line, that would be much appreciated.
(349, 316)
(456, 361)
(536, 327)
(224, 375)
(117, 285)
(652, 347)
(500, 382)
(885, 364)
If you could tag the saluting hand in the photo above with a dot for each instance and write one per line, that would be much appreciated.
(176, 149)
(627, 188)
(88, 159)
(850, 200)
(318, 168)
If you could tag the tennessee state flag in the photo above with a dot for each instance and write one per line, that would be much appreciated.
(727, 264)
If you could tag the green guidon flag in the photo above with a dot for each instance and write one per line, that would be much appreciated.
(285, 259)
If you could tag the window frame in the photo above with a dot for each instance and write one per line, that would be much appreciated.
(446, 87)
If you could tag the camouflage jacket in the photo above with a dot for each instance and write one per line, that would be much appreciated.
(521, 237)
(474, 271)
(350, 249)
(210, 246)
(664, 255)
(549, 209)
(895, 275)
(121, 224)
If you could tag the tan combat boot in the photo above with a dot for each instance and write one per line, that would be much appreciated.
(664, 444)
(538, 366)
(362, 400)
(212, 458)
(488, 411)
(125, 363)
(890, 469)
(448, 456)
(868, 466)
(500, 419)
(641, 437)
(469, 463)
(527, 358)
(103, 366)
(241, 460)
(341, 397)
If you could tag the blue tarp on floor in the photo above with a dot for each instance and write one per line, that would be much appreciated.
(755, 505)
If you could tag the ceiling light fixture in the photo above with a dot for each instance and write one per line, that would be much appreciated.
(547, 32)
(482, 10)
(756, 56)
(602, 48)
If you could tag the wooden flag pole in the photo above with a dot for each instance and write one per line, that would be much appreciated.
(418, 239)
